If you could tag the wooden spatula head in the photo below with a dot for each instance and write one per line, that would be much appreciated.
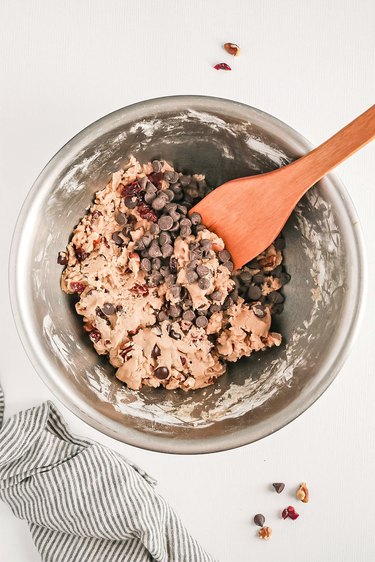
(248, 214)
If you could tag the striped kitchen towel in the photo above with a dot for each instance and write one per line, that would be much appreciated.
(82, 501)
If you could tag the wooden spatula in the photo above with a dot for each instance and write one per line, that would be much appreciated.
(248, 213)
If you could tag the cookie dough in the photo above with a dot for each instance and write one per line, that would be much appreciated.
(156, 289)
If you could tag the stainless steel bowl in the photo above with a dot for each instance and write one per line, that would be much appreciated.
(259, 395)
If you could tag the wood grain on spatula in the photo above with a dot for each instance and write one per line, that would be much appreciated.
(248, 213)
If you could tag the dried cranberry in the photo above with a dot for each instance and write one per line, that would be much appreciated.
(77, 287)
(96, 214)
(146, 212)
(222, 66)
(183, 360)
(139, 289)
(289, 512)
(156, 178)
(94, 336)
(81, 255)
(131, 189)
(62, 258)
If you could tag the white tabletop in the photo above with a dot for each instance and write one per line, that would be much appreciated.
(310, 63)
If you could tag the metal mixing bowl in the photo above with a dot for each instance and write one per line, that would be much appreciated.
(324, 255)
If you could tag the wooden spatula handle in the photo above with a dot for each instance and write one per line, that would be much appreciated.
(311, 168)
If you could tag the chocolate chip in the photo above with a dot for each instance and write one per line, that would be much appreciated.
(156, 166)
(253, 264)
(164, 270)
(279, 486)
(164, 238)
(279, 244)
(138, 245)
(200, 227)
(185, 222)
(174, 335)
(171, 175)
(167, 250)
(188, 316)
(170, 280)
(246, 276)
(175, 311)
(259, 311)
(117, 238)
(275, 297)
(162, 315)
(234, 295)
(259, 520)
(224, 256)
(216, 296)
(156, 264)
(201, 322)
(155, 351)
(149, 197)
(176, 291)
(195, 218)
(191, 275)
(169, 193)
(146, 264)
(158, 204)
(146, 239)
(185, 180)
(202, 270)
(258, 278)
(154, 228)
(254, 293)
(228, 302)
(277, 308)
(229, 265)
(175, 227)
(284, 278)
(108, 309)
(62, 258)
(206, 244)
(277, 271)
(176, 188)
(154, 250)
(126, 230)
(120, 218)
(143, 182)
(165, 222)
(183, 209)
(185, 231)
(150, 188)
(164, 195)
(162, 373)
(192, 264)
(214, 308)
(131, 202)
(156, 279)
(204, 283)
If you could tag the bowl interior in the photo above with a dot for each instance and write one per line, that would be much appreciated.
(223, 140)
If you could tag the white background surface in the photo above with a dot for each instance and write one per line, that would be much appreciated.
(310, 63)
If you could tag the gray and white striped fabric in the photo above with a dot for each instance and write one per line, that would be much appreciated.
(82, 501)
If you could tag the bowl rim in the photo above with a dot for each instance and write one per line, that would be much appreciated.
(88, 413)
